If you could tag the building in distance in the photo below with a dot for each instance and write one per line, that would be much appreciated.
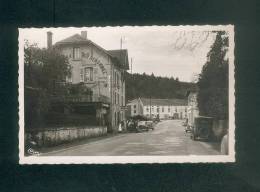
(162, 108)
(192, 110)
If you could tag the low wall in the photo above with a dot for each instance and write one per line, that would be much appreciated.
(56, 136)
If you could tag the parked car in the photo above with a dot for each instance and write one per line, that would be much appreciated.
(131, 125)
(142, 126)
(139, 123)
(202, 128)
(156, 119)
(150, 124)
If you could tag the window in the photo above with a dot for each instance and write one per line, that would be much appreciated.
(158, 109)
(147, 109)
(76, 53)
(169, 109)
(135, 106)
(134, 111)
(162, 109)
(88, 74)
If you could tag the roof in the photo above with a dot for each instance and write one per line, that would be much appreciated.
(164, 102)
(121, 55)
(132, 101)
(78, 39)
(73, 39)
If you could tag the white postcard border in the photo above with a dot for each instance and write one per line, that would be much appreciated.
(134, 159)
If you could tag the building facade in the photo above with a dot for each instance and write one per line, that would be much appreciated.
(135, 107)
(99, 70)
(162, 108)
(192, 110)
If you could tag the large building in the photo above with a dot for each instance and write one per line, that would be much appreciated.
(162, 108)
(99, 70)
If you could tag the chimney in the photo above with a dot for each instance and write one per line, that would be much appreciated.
(49, 39)
(84, 34)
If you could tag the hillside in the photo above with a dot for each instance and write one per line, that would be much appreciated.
(143, 85)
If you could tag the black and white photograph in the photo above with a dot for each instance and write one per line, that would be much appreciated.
(126, 94)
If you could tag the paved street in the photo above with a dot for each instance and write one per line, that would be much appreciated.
(168, 138)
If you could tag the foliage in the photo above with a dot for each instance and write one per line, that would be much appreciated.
(43, 70)
(36, 104)
(143, 85)
(213, 80)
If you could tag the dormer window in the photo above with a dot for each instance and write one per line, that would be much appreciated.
(76, 53)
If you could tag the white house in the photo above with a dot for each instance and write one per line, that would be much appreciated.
(162, 108)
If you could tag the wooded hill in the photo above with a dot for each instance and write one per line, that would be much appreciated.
(143, 85)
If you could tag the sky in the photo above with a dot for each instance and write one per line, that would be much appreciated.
(165, 51)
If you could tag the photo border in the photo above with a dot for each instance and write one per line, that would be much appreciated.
(134, 159)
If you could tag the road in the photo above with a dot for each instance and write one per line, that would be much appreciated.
(168, 138)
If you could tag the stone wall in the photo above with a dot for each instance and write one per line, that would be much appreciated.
(56, 136)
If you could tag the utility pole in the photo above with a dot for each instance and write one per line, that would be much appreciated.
(131, 65)
(150, 107)
(121, 43)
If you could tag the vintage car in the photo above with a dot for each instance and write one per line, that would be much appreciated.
(150, 124)
(202, 128)
(131, 125)
(145, 126)
(142, 126)
(139, 123)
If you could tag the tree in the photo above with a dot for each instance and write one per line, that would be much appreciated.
(213, 80)
(44, 67)
(42, 70)
(140, 85)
